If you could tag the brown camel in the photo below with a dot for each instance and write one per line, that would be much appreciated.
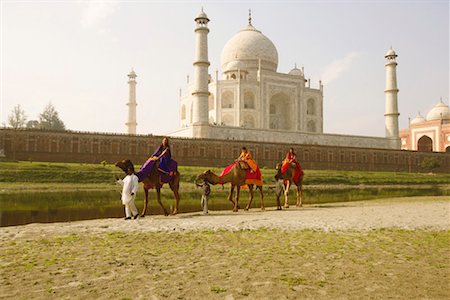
(153, 180)
(288, 178)
(236, 177)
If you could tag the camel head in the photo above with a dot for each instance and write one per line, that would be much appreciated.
(207, 176)
(278, 176)
(124, 165)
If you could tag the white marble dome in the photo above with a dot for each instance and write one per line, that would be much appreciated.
(249, 45)
(417, 120)
(441, 110)
(296, 72)
(234, 66)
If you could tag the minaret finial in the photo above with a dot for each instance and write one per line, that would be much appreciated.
(249, 17)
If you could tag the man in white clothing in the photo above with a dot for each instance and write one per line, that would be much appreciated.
(130, 186)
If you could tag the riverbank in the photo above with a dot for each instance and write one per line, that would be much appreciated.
(404, 213)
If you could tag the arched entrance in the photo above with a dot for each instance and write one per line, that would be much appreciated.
(280, 112)
(425, 144)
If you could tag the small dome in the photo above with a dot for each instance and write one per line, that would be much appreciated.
(296, 72)
(235, 65)
(417, 120)
(132, 74)
(201, 15)
(390, 52)
(250, 45)
(440, 111)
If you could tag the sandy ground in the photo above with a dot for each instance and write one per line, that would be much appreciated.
(404, 213)
(357, 252)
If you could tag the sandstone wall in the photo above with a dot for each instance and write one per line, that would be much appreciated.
(86, 147)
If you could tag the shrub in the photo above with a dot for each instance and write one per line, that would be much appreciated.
(429, 164)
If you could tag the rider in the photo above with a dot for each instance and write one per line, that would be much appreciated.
(291, 157)
(246, 157)
(163, 154)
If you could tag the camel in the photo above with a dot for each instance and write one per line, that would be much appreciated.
(288, 178)
(236, 177)
(153, 180)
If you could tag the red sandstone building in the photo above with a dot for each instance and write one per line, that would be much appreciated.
(428, 134)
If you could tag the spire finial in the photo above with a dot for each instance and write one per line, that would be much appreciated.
(295, 65)
(249, 17)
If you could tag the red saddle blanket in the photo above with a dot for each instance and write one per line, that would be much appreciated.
(298, 169)
(251, 177)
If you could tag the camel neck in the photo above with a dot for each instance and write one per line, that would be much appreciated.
(226, 178)
(214, 179)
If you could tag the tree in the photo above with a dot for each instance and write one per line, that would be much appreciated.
(49, 119)
(33, 124)
(430, 164)
(17, 118)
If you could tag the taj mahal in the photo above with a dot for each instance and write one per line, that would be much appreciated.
(252, 94)
(252, 101)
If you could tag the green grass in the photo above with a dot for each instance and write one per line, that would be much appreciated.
(42, 172)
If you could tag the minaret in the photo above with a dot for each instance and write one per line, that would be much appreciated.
(200, 92)
(391, 110)
(131, 123)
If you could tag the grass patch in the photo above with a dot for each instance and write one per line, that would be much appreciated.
(97, 173)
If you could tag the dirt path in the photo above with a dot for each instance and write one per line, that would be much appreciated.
(405, 213)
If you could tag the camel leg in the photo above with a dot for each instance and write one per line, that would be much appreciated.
(279, 190)
(144, 210)
(286, 192)
(262, 197)
(236, 203)
(177, 202)
(158, 197)
(230, 196)
(174, 187)
(299, 194)
(250, 189)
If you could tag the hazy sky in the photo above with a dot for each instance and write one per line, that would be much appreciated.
(77, 54)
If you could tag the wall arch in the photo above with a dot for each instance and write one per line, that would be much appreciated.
(281, 112)
(311, 126)
(227, 99)
(249, 100)
(249, 121)
(310, 107)
(228, 120)
(425, 144)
